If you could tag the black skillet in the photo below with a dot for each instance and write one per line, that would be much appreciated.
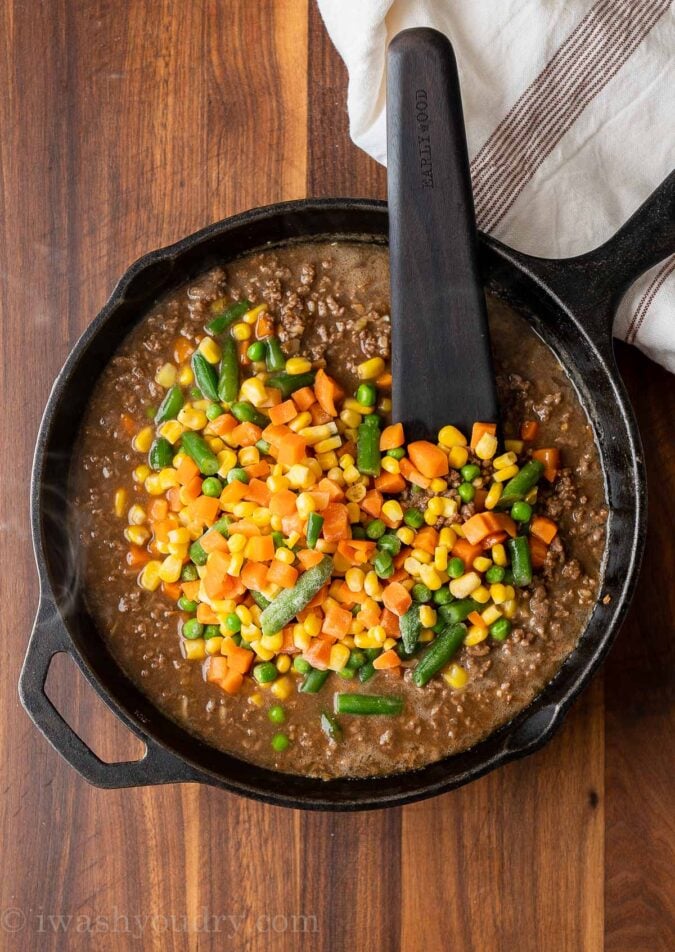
(570, 303)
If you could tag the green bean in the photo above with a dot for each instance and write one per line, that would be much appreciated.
(228, 316)
(459, 610)
(290, 601)
(228, 383)
(314, 681)
(368, 704)
(171, 405)
(205, 375)
(197, 554)
(439, 652)
(247, 413)
(263, 447)
(521, 484)
(330, 727)
(289, 383)
(368, 449)
(198, 450)
(366, 672)
(411, 626)
(314, 526)
(274, 356)
(521, 562)
(260, 599)
(161, 454)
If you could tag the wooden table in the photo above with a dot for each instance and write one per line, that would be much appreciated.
(124, 127)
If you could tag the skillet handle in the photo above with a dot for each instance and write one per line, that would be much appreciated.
(48, 638)
(591, 285)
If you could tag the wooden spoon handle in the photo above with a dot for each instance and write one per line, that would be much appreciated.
(441, 360)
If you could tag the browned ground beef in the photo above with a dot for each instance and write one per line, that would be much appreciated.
(331, 302)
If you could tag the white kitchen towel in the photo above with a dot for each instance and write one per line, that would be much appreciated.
(570, 116)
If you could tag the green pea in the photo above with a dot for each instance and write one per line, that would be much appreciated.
(233, 622)
(357, 659)
(397, 453)
(237, 474)
(277, 714)
(420, 593)
(366, 395)
(212, 631)
(192, 629)
(358, 532)
(389, 543)
(213, 411)
(212, 486)
(187, 605)
(521, 511)
(470, 472)
(280, 742)
(383, 565)
(501, 629)
(494, 575)
(301, 666)
(375, 529)
(456, 567)
(413, 518)
(346, 674)
(265, 672)
(443, 596)
(256, 351)
(466, 492)
(189, 573)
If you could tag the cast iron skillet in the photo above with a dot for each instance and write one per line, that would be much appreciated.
(570, 303)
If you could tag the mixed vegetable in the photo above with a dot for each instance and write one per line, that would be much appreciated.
(300, 535)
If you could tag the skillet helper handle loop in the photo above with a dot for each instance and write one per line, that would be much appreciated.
(48, 638)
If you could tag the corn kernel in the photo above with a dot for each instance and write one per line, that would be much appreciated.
(194, 649)
(256, 699)
(298, 365)
(339, 656)
(502, 475)
(301, 422)
(426, 635)
(172, 430)
(506, 459)
(450, 436)
(301, 477)
(388, 643)
(428, 616)
(326, 446)
(393, 512)
(435, 506)
(136, 515)
(430, 577)
(227, 460)
(138, 535)
(509, 608)
(170, 569)
(378, 634)
(166, 376)
(406, 535)
(252, 316)
(249, 455)
(143, 440)
(456, 677)
(301, 639)
(351, 419)
(429, 518)
(514, 446)
(168, 478)
(284, 555)
(351, 404)
(149, 578)
(241, 331)
(282, 688)
(253, 390)
(185, 376)
(494, 495)
(371, 585)
(261, 651)
(490, 614)
(273, 642)
(498, 593)
(120, 502)
(486, 446)
(465, 585)
(447, 537)
(351, 475)
(498, 553)
(441, 558)
(141, 473)
(244, 510)
(482, 564)
(213, 645)
(457, 457)
(481, 595)
(192, 419)
(153, 485)
(510, 592)
(356, 494)
(283, 664)
(210, 350)
(370, 369)
(422, 556)
(391, 465)
(412, 567)
(475, 635)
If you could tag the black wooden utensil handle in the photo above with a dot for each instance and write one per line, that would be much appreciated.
(48, 638)
(441, 360)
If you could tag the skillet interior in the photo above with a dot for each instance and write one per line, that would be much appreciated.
(590, 370)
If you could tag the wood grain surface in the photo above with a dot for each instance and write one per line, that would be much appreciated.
(124, 126)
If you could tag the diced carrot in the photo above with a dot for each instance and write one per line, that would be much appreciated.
(494, 539)
(370, 613)
(550, 457)
(276, 433)
(244, 527)
(223, 424)
(172, 590)
(325, 390)
(204, 510)
(187, 471)
(284, 412)
(320, 498)
(157, 510)
(230, 587)
(206, 615)
(385, 661)
(335, 522)
(260, 548)
(173, 498)
(246, 434)
(217, 668)
(389, 622)
(372, 503)
(319, 415)
(292, 523)
(335, 492)
(348, 447)
(259, 470)
(273, 397)
(233, 492)
(341, 592)
(304, 398)
(191, 589)
(384, 381)
(428, 458)
(392, 437)
(356, 551)
(544, 528)
(264, 325)
(467, 552)
(318, 653)
(283, 503)
(426, 539)
(476, 619)
(232, 682)
(254, 576)
(293, 450)
(242, 347)
(281, 574)
(479, 429)
(529, 430)
(257, 491)
(410, 473)
(336, 620)
(238, 659)
(193, 490)
(288, 642)
(484, 523)
(127, 424)
(319, 598)
(390, 483)
(182, 348)
(213, 540)
(309, 558)
(396, 598)
(162, 528)
(538, 551)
